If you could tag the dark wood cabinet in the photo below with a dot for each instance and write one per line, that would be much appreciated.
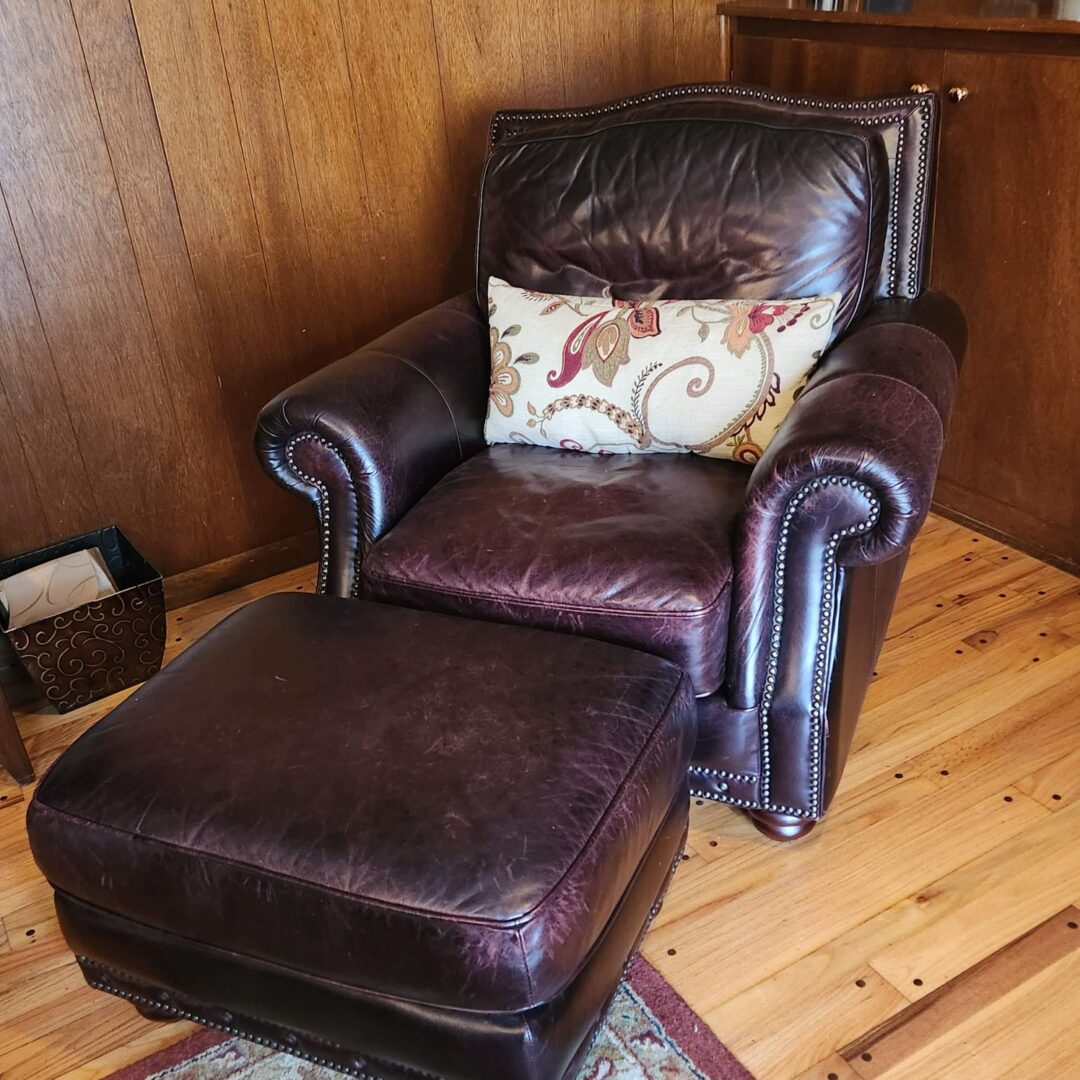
(1006, 238)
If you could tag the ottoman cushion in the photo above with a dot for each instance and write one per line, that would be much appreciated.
(412, 804)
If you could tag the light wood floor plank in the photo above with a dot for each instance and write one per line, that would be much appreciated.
(986, 904)
(1055, 785)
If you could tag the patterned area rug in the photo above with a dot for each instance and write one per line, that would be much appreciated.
(650, 1033)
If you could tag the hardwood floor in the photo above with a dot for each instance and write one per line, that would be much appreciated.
(930, 928)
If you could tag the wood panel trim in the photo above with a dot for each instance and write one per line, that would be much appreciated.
(947, 495)
(917, 37)
(244, 568)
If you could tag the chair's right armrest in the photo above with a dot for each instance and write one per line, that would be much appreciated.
(363, 438)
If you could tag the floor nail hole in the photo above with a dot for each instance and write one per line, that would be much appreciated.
(967, 558)
(31, 932)
(1001, 596)
(685, 858)
(860, 983)
(672, 952)
(1072, 926)
(939, 605)
(832, 1076)
(712, 843)
(1034, 659)
(917, 982)
(700, 802)
(1056, 798)
(868, 1057)
(1008, 798)
(898, 775)
(959, 652)
(944, 772)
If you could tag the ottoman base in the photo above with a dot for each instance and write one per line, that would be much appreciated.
(365, 1034)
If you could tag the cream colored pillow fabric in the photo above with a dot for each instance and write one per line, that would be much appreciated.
(712, 377)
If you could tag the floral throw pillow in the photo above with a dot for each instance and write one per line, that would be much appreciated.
(713, 377)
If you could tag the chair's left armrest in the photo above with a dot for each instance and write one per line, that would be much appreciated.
(366, 436)
(848, 478)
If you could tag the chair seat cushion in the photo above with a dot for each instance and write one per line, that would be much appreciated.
(633, 549)
(390, 800)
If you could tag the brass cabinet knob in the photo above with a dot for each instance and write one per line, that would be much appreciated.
(920, 88)
(957, 94)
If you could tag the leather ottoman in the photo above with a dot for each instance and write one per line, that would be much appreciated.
(397, 843)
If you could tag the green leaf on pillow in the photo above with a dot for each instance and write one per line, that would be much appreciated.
(510, 331)
(528, 358)
(703, 331)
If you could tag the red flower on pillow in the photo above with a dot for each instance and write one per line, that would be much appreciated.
(643, 319)
(762, 315)
(745, 320)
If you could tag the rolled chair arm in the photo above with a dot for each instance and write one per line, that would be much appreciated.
(363, 438)
(846, 482)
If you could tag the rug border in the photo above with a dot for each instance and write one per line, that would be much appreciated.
(688, 1030)
(182, 1050)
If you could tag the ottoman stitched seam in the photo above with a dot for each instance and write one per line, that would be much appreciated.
(305, 973)
(476, 920)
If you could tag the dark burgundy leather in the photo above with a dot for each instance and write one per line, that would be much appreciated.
(866, 597)
(633, 549)
(737, 204)
(363, 1033)
(366, 436)
(873, 414)
(396, 801)
(626, 194)
(907, 125)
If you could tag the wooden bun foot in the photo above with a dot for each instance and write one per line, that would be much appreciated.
(780, 826)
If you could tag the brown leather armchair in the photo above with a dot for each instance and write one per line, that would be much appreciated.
(772, 585)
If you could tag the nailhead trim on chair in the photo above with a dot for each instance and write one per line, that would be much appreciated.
(324, 505)
(921, 104)
(324, 500)
(893, 202)
(817, 694)
(746, 804)
(917, 206)
(704, 770)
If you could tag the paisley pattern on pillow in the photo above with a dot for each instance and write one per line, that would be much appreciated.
(713, 377)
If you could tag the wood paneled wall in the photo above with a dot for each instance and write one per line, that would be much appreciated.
(203, 200)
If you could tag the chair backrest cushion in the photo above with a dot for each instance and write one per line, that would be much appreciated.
(690, 193)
